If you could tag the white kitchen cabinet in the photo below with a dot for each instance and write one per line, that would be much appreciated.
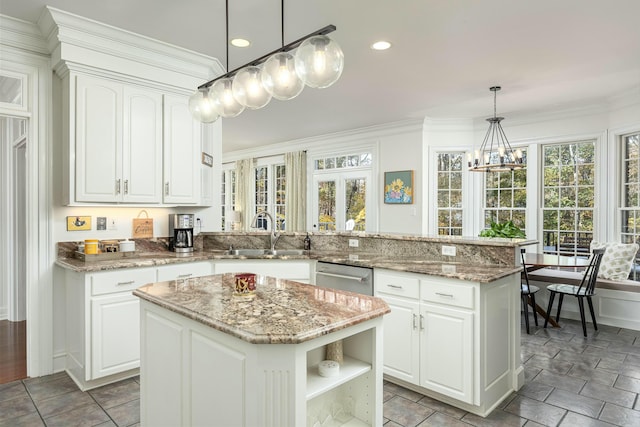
(182, 152)
(401, 342)
(118, 141)
(446, 351)
(102, 325)
(184, 271)
(264, 384)
(452, 339)
(297, 270)
(116, 340)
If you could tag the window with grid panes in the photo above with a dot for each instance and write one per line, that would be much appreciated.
(261, 202)
(450, 194)
(228, 198)
(630, 209)
(506, 196)
(568, 197)
(280, 197)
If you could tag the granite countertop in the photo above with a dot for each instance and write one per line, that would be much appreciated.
(461, 271)
(280, 311)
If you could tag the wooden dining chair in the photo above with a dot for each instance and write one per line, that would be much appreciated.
(527, 291)
(586, 289)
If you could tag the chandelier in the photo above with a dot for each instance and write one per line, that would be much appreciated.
(495, 153)
(317, 62)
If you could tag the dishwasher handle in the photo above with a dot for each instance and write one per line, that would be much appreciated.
(341, 276)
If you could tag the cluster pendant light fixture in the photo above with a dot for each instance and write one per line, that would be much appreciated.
(495, 153)
(282, 74)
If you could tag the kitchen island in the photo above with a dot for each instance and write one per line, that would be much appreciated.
(210, 357)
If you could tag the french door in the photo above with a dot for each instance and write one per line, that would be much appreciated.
(341, 201)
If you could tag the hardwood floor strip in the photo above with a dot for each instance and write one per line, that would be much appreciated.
(13, 351)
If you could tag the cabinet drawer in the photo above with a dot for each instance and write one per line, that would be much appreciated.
(184, 271)
(121, 280)
(397, 284)
(447, 293)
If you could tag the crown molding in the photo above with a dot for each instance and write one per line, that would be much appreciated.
(75, 38)
(22, 35)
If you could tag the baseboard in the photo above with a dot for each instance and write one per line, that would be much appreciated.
(59, 362)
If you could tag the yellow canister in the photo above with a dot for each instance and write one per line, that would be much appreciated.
(91, 246)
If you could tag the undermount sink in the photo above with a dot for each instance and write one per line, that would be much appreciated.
(259, 252)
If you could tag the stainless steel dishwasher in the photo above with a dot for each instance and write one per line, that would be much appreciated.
(345, 277)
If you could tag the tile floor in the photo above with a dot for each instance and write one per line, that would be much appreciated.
(570, 381)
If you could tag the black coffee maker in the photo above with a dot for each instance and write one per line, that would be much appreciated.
(181, 232)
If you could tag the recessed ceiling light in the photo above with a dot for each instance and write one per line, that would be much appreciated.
(240, 42)
(381, 45)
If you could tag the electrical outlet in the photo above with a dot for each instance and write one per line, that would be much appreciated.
(101, 223)
(448, 250)
(354, 243)
(111, 224)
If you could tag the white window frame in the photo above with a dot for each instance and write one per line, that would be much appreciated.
(373, 185)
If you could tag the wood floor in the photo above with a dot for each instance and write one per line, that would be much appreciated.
(13, 351)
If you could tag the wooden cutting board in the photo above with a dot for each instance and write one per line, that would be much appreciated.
(142, 228)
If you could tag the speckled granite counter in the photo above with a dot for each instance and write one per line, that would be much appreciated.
(280, 311)
(462, 271)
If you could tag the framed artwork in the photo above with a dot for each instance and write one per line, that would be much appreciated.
(398, 187)
(77, 223)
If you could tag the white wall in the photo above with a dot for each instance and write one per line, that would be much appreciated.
(397, 152)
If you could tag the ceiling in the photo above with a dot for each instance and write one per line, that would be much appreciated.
(546, 54)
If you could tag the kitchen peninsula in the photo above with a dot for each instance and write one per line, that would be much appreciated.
(210, 357)
(453, 332)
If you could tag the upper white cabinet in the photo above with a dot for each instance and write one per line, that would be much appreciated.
(182, 151)
(118, 142)
(121, 100)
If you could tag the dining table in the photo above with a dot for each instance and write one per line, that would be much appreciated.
(534, 261)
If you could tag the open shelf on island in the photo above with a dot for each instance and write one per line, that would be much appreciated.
(350, 369)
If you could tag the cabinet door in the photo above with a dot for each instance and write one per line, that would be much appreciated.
(181, 152)
(401, 348)
(142, 146)
(115, 334)
(446, 351)
(98, 140)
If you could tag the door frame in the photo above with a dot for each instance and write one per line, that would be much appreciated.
(17, 264)
(40, 248)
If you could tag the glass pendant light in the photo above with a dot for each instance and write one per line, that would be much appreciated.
(225, 104)
(319, 62)
(202, 107)
(248, 89)
(279, 77)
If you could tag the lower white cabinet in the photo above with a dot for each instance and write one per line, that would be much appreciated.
(103, 325)
(194, 375)
(454, 340)
(115, 336)
(446, 351)
(103, 319)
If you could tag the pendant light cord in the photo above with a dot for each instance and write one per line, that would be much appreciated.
(226, 25)
(282, 22)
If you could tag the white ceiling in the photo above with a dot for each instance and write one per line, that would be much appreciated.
(546, 54)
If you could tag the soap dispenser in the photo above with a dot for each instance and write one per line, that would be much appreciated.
(307, 243)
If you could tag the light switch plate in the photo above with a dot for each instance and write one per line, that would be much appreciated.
(354, 243)
(448, 250)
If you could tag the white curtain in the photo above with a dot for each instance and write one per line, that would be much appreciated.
(296, 190)
(243, 191)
